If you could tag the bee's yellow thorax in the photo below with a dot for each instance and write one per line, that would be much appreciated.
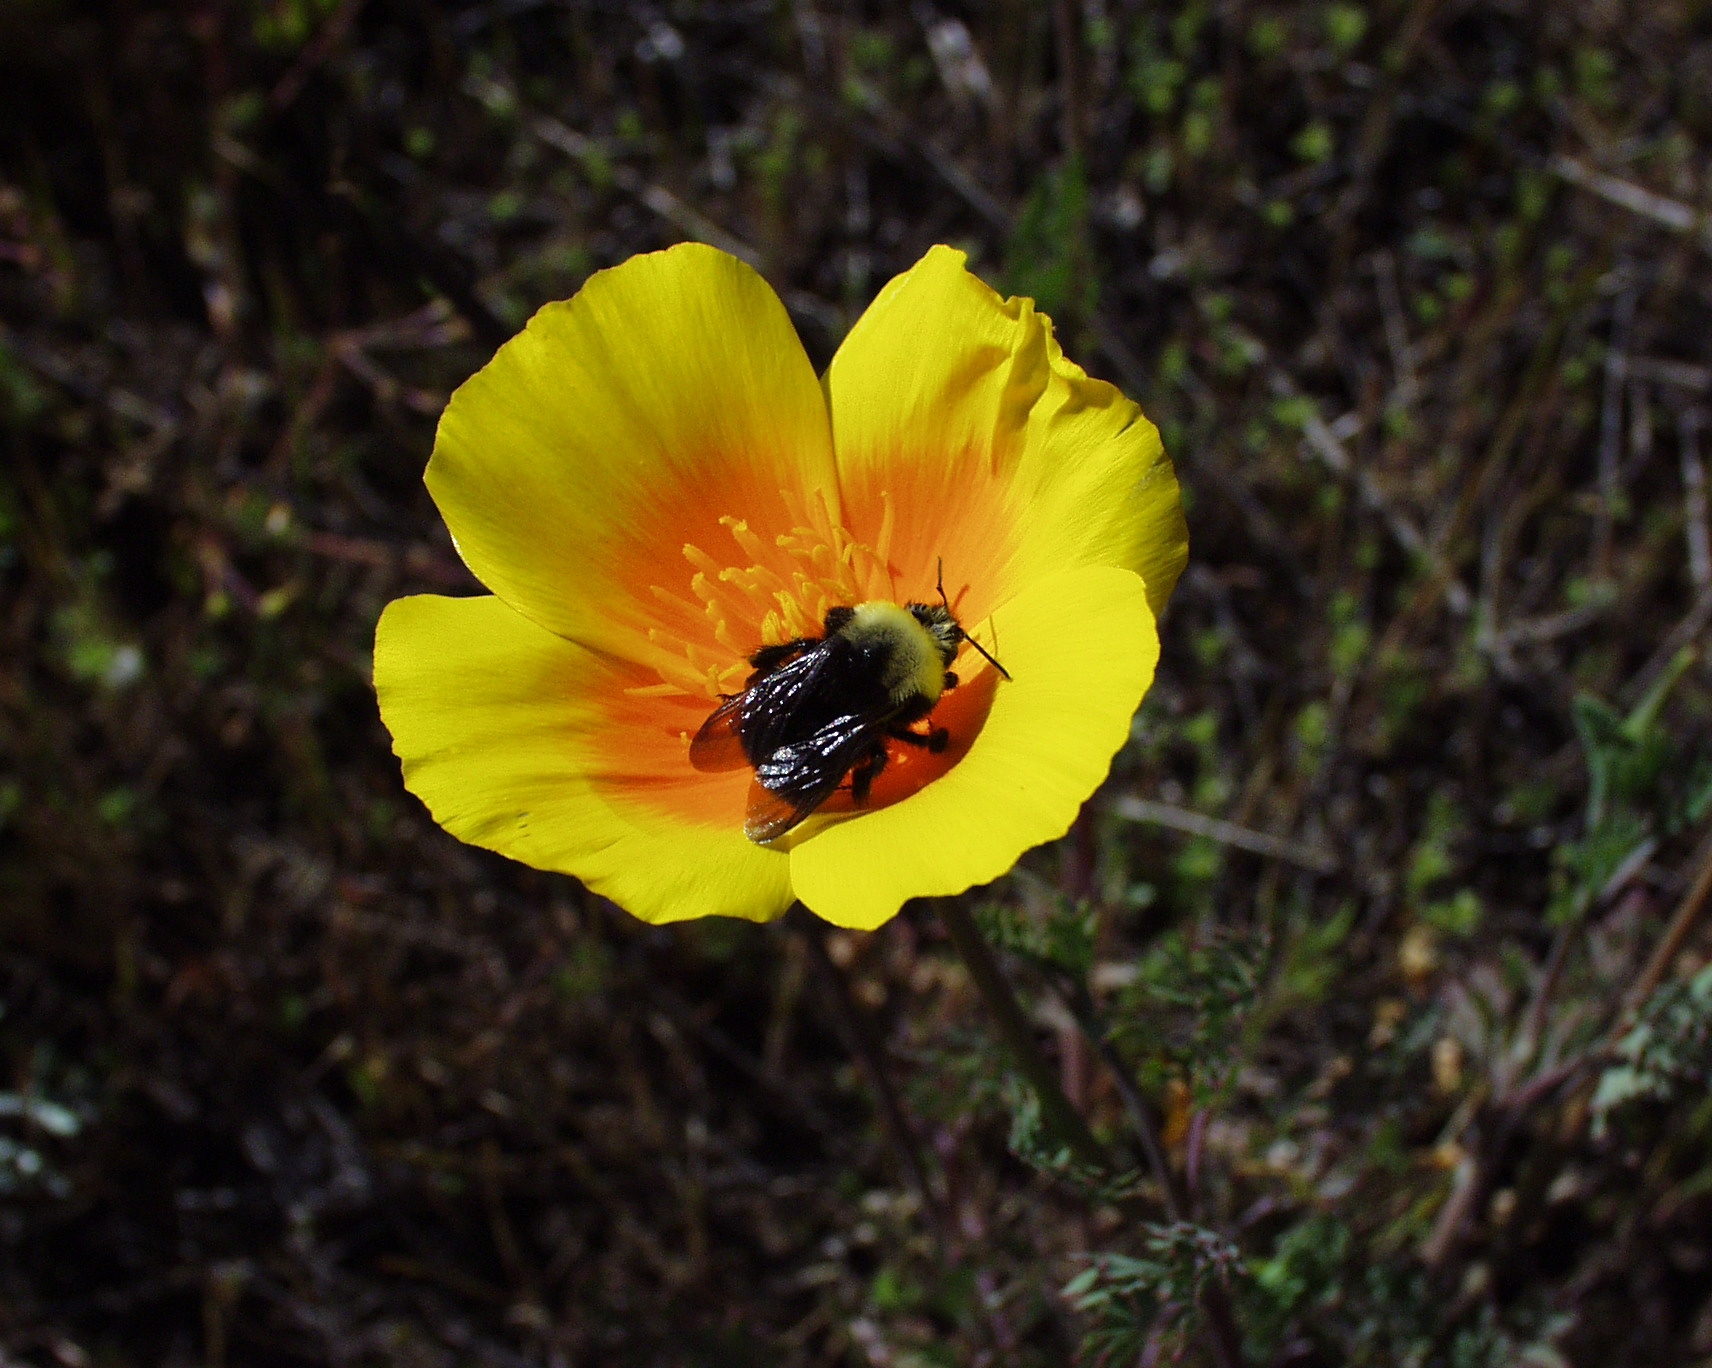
(913, 663)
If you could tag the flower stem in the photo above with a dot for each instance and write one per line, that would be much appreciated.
(869, 1055)
(1081, 1007)
(1224, 1338)
(1224, 1334)
(1062, 1119)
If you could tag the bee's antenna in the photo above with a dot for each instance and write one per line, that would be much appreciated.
(939, 584)
(984, 652)
(987, 655)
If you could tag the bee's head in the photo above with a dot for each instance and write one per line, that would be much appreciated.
(941, 626)
(946, 631)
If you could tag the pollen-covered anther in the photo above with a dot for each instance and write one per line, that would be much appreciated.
(722, 632)
(674, 663)
(833, 566)
(755, 584)
(731, 610)
(796, 615)
(752, 546)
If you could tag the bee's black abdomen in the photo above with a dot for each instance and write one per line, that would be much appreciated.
(804, 695)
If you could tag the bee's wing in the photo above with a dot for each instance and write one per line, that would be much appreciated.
(795, 779)
(779, 707)
(753, 722)
(770, 816)
(718, 746)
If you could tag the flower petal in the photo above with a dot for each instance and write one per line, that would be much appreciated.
(1081, 648)
(930, 395)
(508, 733)
(1002, 457)
(621, 426)
(1096, 485)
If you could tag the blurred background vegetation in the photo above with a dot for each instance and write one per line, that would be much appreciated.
(1391, 911)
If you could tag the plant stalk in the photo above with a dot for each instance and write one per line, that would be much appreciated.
(1224, 1336)
(1224, 1340)
(1062, 1119)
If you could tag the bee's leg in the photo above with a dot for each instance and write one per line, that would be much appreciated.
(950, 680)
(769, 658)
(934, 740)
(863, 774)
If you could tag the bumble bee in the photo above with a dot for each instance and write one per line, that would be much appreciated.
(818, 710)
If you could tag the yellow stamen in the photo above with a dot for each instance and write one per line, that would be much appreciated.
(703, 647)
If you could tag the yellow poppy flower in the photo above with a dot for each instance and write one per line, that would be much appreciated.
(654, 484)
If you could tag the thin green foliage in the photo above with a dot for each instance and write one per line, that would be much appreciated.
(1147, 1302)
(1665, 1054)
(1032, 1141)
(1058, 935)
(1639, 790)
(1048, 257)
(1185, 1012)
(1325, 1292)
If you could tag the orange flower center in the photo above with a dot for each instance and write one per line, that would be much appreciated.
(762, 594)
(773, 594)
